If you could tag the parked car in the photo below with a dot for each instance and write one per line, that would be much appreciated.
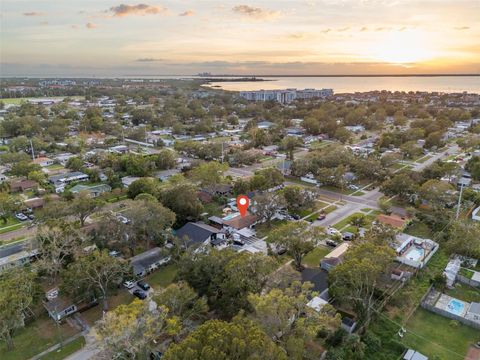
(129, 284)
(143, 285)
(333, 231)
(140, 294)
(347, 236)
(321, 217)
(31, 217)
(295, 217)
(123, 219)
(114, 253)
(353, 187)
(237, 240)
(21, 217)
(331, 243)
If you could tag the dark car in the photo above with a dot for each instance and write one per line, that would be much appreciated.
(143, 285)
(295, 217)
(331, 243)
(140, 294)
(347, 236)
(321, 217)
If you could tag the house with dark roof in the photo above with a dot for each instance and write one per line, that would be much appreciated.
(148, 261)
(199, 233)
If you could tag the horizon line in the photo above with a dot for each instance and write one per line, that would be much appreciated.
(240, 76)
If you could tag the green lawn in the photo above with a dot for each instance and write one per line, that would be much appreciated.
(358, 193)
(423, 159)
(312, 259)
(264, 229)
(466, 273)
(417, 228)
(338, 190)
(11, 224)
(329, 209)
(163, 276)
(213, 209)
(55, 167)
(35, 338)
(17, 101)
(342, 223)
(318, 145)
(66, 350)
(436, 335)
(114, 198)
(121, 297)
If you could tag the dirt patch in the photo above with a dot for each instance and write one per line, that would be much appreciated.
(473, 354)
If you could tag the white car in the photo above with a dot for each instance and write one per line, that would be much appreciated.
(123, 219)
(333, 231)
(21, 217)
(129, 284)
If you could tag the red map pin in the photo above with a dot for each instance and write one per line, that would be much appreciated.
(242, 204)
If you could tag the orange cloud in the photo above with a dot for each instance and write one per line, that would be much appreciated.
(139, 9)
(255, 12)
(187, 13)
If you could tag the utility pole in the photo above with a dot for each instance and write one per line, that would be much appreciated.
(33, 152)
(459, 201)
(222, 152)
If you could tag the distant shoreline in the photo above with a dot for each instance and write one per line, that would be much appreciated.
(196, 77)
(340, 75)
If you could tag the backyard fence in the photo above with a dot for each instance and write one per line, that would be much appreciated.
(428, 303)
(468, 281)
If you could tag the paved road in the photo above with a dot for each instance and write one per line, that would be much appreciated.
(27, 231)
(452, 149)
(338, 215)
(14, 248)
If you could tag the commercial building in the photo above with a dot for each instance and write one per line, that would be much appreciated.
(285, 96)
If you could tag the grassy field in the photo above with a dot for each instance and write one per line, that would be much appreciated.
(263, 229)
(11, 224)
(18, 101)
(312, 259)
(338, 190)
(66, 350)
(341, 224)
(35, 338)
(434, 335)
(358, 193)
(423, 159)
(163, 276)
(55, 167)
(419, 229)
(96, 313)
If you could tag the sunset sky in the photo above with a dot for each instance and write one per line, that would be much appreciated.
(86, 38)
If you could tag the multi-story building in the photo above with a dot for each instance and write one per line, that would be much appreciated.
(285, 96)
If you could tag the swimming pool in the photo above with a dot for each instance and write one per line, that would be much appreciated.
(415, 253)
(456, 307)
(230, 216)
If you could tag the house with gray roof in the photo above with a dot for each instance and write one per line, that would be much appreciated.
(199, 233)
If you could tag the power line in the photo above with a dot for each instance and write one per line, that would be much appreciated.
(422, 337)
